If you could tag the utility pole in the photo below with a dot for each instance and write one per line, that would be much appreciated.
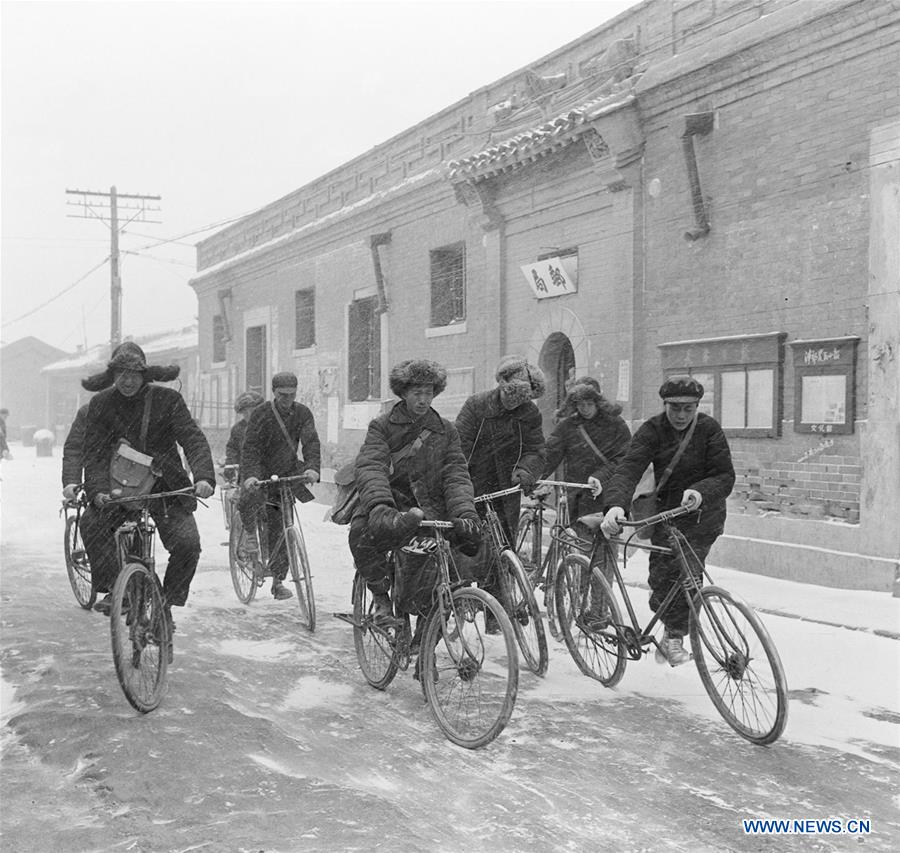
(105, 207)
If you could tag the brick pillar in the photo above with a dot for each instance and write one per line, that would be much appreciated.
(880, 441)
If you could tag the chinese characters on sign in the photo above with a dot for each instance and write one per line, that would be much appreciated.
(551, 277)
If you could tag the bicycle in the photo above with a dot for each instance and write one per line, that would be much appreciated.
(250, 568)
(469, 678)
(735, 656)
(78, 565)
(140, 630)
(540, 564)
(516, 591)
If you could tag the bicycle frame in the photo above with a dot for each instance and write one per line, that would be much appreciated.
(635, 638)
(286, 501)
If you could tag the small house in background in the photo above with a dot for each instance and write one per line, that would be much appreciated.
(62, 378)
(23, 389)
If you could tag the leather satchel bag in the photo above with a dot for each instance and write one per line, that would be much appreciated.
(131, 472)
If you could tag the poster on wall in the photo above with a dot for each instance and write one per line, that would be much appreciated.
(552, 277)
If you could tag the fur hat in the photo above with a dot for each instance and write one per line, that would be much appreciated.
(515, 369)
(129, 356)
(248, 400)
(417, 371)
(285, 379)
(586, 388)
(681, 389)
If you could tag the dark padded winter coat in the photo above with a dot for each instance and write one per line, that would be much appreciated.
(566, 443)
(705, 467)
(266, 451)
(73, 450)
(436, 472)
(112, 416)
(235, 442)
(497, 442)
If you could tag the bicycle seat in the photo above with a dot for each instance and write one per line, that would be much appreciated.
(592, 521)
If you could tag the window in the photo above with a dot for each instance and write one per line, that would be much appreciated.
(218, 344)
(364, 359)
(824, 377)
(448, 285)
(304, 318)
(741, 376)
(256, 359)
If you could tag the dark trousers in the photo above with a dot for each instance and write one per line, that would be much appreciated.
(664, 572)
(250, 505)
(370, 553)
(177, 531)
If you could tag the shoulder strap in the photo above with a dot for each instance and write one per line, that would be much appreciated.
(284, 431)
(587, 438)
(145, 420)
(412, 447)
(681, 448)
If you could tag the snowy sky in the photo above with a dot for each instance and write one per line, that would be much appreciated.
(220, 108)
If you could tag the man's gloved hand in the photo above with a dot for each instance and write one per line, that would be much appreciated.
(70, 491)
(202, 489)
(611, 521)
(391, 526)
(596, 486)
(467, 535)
(102, 499)
(691, 499)
(251, 484)
(310, 476)
(524, 479)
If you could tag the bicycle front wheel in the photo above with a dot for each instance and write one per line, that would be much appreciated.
(140, 636)
(243, 576)
(588, 615)
(470, 678)
(376, 646)
(78, 566)
(528, 545)
(739, 665)
(302, 577)
(523, 612)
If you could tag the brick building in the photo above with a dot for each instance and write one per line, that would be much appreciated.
(706, 186)
(22, 387)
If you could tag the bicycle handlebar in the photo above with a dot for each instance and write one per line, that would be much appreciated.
(274, 480)
(664, 516)
(437, 525)
(563, 484)
(502, 493)
(187, 490)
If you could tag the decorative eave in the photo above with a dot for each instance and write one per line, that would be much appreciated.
(526, 147)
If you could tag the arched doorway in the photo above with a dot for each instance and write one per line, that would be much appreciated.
(557, 360)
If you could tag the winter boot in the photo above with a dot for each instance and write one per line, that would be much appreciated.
(671, 650)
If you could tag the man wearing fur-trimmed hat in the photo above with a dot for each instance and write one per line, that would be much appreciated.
(502, 437)
(280, 439)
(702, 479)
(127, 398)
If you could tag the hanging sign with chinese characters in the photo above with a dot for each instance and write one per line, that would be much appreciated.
(552, 276)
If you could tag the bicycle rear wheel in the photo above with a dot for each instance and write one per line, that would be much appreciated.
(739, 666)
(376, 647)
(553, 569)
(523, 611)
(140, 636)
(243, 576)
(588, 615)
(302, 577)
(78, 566)
(470, 678)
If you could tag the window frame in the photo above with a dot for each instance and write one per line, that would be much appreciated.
(743, 354)
(311, 314)
(439, 281)
(368, 304)
(826, 357)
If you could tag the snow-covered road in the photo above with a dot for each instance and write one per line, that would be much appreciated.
(270, 740)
